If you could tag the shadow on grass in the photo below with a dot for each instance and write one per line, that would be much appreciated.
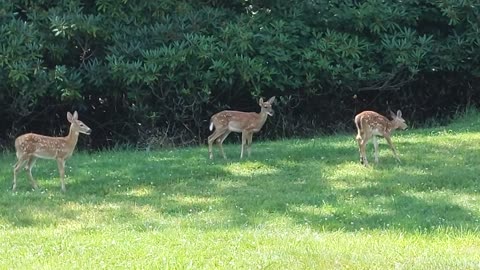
(317, 183)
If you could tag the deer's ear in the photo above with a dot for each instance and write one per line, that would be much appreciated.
(69, 117)
(260, 101)
(392, 114)
(399, 113)
(271, 100)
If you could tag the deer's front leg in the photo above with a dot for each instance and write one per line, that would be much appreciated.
(249, 143)
(61, 170)
(389, 141)
(244, 142)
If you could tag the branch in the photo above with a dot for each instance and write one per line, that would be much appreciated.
(86, 51)
(393, 83)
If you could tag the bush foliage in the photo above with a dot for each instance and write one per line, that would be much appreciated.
(152, 72)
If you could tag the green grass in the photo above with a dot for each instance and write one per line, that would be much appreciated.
(296, 204)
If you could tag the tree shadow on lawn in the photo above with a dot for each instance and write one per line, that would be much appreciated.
(175, 185)
(403, 200)
(426, 191)
(292, 182)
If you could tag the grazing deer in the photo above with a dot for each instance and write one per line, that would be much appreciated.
(246, 123)
(31, 146)
(371, 124)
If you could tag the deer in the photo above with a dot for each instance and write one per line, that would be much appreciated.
(370, 125)
(31, 146)
(246, 123)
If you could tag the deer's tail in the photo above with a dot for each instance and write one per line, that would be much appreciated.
(211, 125)
(358, 124)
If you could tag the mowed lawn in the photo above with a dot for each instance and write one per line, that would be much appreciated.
(295, 204)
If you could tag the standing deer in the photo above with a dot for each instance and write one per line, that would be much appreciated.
(31, 146)
(370, 125)
(246, 123)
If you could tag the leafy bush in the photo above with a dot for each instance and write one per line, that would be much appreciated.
(152, 72)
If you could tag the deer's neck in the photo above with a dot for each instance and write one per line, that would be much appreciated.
(262, 118)
(72, 137)
(391, 126)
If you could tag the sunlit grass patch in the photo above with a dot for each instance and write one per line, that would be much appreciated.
(143, 191)
(250, 168)
(322, 210)
(295, 204)
(228, 184)
(195, 200)
(350, 172)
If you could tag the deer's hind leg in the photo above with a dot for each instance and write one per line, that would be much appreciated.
(375, 148)
(359, 142)
(362, 143)
(212, 138)
(28, 167)
(20, 163)
(220, 142)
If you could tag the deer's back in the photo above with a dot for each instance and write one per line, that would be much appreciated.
(371, 122)
(235, 120)
(41, 146)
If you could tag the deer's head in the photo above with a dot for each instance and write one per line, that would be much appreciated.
(267, 105)
(77, 124)
(397, 120)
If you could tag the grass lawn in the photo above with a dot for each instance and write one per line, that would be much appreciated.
(295, 204)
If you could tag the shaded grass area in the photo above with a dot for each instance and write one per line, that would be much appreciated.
(295, 204)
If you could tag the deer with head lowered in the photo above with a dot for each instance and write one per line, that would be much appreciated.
(246, 123)
(370, 125)
(31, 146)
